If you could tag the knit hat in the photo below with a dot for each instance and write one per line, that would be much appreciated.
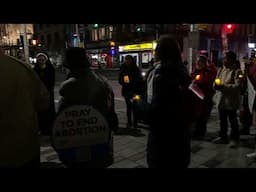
(42, 54)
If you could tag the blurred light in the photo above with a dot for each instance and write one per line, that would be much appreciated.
(217, 81)
(34, 42)
(138, 29)
(112, 43)
(39, 45)
(154, 45)
(251, 45)
(198, 77)
(21, 48)
(228, 28)
(121, 48)
(113, 51)
(143, 73)
(96, 25)
(95, 56)
(136, 97)
(126, 79)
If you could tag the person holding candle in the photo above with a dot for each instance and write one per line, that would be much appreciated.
(131, 80)
(227, 85)
(203, 77)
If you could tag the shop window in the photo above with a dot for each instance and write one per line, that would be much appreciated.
(94, 35)
(145, 58)
(110, 32)
(102, 33)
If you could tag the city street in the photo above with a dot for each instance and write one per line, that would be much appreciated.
(130, 145)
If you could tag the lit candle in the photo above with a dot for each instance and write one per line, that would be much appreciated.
(126, 79)
(217, 81)
(136, 97)
(197, 77)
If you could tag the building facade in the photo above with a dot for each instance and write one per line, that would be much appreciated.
(51, 38)
(108, 44)
(12, 38)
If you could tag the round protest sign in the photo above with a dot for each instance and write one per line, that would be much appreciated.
(79, 125)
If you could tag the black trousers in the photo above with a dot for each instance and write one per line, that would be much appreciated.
(232, 116)
(201, 123)
(132, 120)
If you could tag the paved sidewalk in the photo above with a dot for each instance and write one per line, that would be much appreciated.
(206, 154)
(130, 146)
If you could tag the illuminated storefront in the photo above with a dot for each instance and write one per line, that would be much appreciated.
(142, 53)
(101, 54)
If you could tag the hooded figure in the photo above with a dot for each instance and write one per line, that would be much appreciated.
(46, 73)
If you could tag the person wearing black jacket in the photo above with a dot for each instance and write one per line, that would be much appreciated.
(168, 113)
(131, 80)
(85, 87)
(46, 73)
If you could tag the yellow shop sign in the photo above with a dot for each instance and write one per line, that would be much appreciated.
(136, 47)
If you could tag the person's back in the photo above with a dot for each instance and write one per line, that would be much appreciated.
(23, 94)
(86, 88)
(168, 141)
(89, 88)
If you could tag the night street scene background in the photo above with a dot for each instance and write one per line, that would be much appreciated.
(107, 47)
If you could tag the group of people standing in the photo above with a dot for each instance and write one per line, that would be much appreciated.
(168, 97)
(230, 88)
(165, 91)
(170, 105)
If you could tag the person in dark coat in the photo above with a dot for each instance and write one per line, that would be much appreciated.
(85, 87)
(46, 73)
(167, 84)
(131, 80)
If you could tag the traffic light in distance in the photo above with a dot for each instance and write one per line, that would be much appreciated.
(229, 28)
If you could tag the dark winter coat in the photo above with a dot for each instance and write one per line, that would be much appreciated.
(135, 84)
(169, 142)
(46, 118)
(84, 87)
